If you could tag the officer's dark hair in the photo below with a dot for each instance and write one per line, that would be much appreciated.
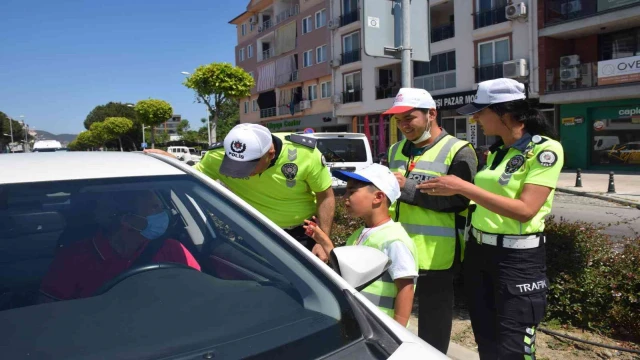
(521, 110)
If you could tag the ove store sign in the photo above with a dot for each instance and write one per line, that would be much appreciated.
(619, 71)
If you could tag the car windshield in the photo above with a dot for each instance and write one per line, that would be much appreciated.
(343, 150)
(77, 274)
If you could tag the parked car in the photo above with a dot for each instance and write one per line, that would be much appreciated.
(259, 293)
(187, 154)
(343, 151)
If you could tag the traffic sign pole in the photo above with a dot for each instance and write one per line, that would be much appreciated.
(406, 43)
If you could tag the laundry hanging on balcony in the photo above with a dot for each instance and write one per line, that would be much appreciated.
(286, 38)
(266, 77)
(286, 68)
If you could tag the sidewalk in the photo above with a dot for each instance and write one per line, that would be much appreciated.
(595, 184)
(456, 352)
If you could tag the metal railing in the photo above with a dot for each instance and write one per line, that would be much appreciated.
(350, 56)
(571, 78)
(490, 17)
(268, 112)
(488, 72)
(286, 109)
(556, 11)
(443, 32)
(350, 96)
(266, 54)
(287, 78)
(286, 14)
(349, 18)
(265, 25)
(386, 92)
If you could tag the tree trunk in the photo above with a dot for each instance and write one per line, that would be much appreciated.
(153, 137)
(120, 141)
(214, 127)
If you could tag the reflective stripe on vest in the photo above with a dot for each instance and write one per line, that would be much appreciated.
(434, 233)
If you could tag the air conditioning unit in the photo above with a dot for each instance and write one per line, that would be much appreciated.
(571, 7)
(334, 63)
(571, 60)
(336, 99)
(515, 68)
(516, 11)
(333, 24)
(253, 20)
(305, 104)
(570, 74)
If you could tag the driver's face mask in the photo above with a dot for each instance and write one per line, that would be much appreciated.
(157, 224)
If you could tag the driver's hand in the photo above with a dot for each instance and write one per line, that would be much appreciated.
(161, 152)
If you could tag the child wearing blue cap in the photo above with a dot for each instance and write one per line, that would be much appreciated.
(370, 192)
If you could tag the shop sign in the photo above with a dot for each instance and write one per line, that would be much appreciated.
(454, 101)
(568, 121)
(277, 125)
(619, 71)
(579, 120)
(610, 4)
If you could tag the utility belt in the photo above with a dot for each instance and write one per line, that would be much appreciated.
(530, 241)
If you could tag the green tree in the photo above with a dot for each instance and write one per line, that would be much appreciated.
(193, 136)
(84, 141)
(229, 117)
(116, 109)
(117, 127)
(153, 112)
(6, 128)
(100, 134)
(183, 126)
(216, 82)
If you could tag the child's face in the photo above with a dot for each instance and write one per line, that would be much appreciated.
(361, 199)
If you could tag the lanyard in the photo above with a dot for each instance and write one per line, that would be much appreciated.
(361, 237)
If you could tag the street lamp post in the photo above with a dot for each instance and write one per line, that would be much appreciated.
(25, 128)
(208, 115)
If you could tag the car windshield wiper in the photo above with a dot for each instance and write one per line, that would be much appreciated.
(335, 154)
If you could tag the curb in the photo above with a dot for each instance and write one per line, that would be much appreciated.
(601, 197)
(459, 352)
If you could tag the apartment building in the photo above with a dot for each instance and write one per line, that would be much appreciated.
(170, 127)
(285, 46)
(471, 41)
(590, 68)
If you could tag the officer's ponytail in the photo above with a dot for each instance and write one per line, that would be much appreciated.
(534, 121)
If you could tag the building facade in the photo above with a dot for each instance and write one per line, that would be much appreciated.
(590, 69)
(465, 50)
(170, 127)
(285, 46)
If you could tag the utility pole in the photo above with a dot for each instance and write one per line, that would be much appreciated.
(406, 43)
(11, 132)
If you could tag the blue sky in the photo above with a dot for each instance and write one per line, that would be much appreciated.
(61, 58)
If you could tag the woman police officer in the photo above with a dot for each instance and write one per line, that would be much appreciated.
(505, 271)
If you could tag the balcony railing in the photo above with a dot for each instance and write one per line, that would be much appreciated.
(290, 12)
(265, 25)
(350, 56)
(268, 112)
(556, 11)
(572, 78)
(287, 78)
(443, 32)
(489, 17)
(266, 54)
(349, 18)
(286, 109)
(488, 72)
(351, 96)
(386, 92)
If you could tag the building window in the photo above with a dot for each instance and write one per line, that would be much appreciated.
(249, 51)
(325, 90)
(254, 105)
(243, 29)
(241, 55)
(246, 107)
(313, 92)
(307, 58)
(438, 74)
(321, 54)
(620, 44)
(251, 26)
(352, 88)
(490, 12)
(321, 18)
(351, 48)
(491, 55)
(252, 75)
(306, 25)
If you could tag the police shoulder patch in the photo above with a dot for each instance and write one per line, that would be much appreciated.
(302, 140)
(217, 145)
(547, 158)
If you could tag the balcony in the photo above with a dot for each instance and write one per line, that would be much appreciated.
(288, 13)
(265, 26)
(488, 72)
(349, 57)
(351, 96)
(489, 17)
(564, 19)
(349, 18)
(386, 92)
(578, 77)
(286, 109)
(443, 32)
(266, 54)
(287, 78)
(268, 112)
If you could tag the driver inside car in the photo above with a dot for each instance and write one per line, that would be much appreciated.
(129, 222)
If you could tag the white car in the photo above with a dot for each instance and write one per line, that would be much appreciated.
(187, 154)
(259, 293)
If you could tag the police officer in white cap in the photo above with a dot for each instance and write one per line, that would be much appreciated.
(282, 176)
(434, 223)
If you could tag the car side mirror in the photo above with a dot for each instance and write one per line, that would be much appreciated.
(360, 266)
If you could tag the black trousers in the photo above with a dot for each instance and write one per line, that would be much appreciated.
(298, 233)
(506, 293)
(435, 302)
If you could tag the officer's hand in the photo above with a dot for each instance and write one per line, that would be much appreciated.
(319, 252)
(401, 179)
(448, 185)
(161, 152)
